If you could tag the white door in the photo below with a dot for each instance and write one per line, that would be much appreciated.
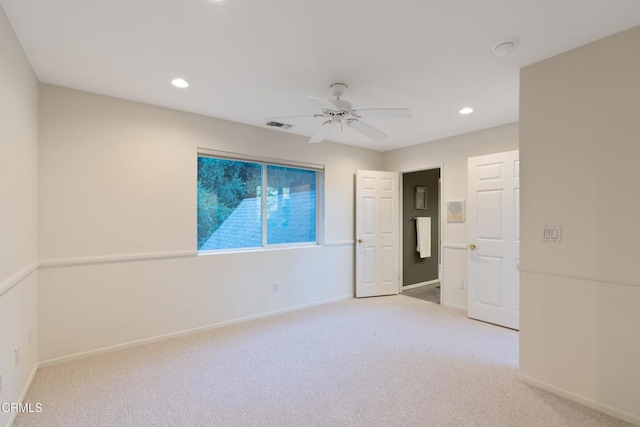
(377, 233)
(494, 238)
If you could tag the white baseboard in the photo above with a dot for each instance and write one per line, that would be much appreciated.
(27, 386)
(164, 337)
(25, 390)
(625, 416)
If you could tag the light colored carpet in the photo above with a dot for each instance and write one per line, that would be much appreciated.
(389, 361)
(429, 293)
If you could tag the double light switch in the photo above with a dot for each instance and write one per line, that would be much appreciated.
(552, 233)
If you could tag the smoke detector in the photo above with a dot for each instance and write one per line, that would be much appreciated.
(504, 47)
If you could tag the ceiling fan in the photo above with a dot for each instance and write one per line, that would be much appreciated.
(339, 111)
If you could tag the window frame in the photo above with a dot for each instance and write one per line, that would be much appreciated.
(264, 162)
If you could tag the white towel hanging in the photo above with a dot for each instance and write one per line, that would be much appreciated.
(423, 232)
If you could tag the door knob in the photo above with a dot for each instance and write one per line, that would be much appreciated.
(360, 240)
(472, 247)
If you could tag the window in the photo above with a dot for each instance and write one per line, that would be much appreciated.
(234, 212)
(229, 207)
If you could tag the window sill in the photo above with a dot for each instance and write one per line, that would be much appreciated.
(262, 249)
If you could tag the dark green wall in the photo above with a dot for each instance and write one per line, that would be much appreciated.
(416, 269)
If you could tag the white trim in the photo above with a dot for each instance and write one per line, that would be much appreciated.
(106, 259)
(164, 337)
(454, 306)
(289, 245)
(421, 284)
(429, 167)
(278, 247)
(340, 243)
(400, 232)
(461, 246)
(264, 206)
(577, 277)
(18, 277)
(630, 418)
(320, 203)
(259, 159)
(27, 386)
(25, 390)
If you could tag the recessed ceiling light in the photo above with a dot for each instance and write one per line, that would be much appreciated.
(466, 110)
(181, 83)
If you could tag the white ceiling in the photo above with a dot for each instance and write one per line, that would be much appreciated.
(251, 59)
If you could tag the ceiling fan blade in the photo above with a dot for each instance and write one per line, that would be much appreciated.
(288, 117)
(367, 130)
(319, 135)
(384, 113)
(326, 104)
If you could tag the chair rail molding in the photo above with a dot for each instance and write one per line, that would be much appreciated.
(339, 243)
(106, 259)
(13, 280)
(461, 246)
(566, 275)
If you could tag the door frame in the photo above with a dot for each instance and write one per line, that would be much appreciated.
(440, 224)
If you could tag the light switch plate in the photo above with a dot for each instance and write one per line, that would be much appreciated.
(552, 233)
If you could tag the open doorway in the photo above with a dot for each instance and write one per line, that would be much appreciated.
(420, 223)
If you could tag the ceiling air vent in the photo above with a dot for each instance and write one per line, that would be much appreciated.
(279, 125)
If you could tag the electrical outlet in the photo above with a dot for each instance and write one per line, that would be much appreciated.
(17, 353)
(275, 288)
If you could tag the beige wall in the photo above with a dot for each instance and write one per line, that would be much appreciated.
(18, 216)
(118, 180)
(580, 299)
(117, 183)
(451, 154)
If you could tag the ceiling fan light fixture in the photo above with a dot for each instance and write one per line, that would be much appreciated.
(180, 83)
(466, 110)
(341, 112)
(338, 89)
